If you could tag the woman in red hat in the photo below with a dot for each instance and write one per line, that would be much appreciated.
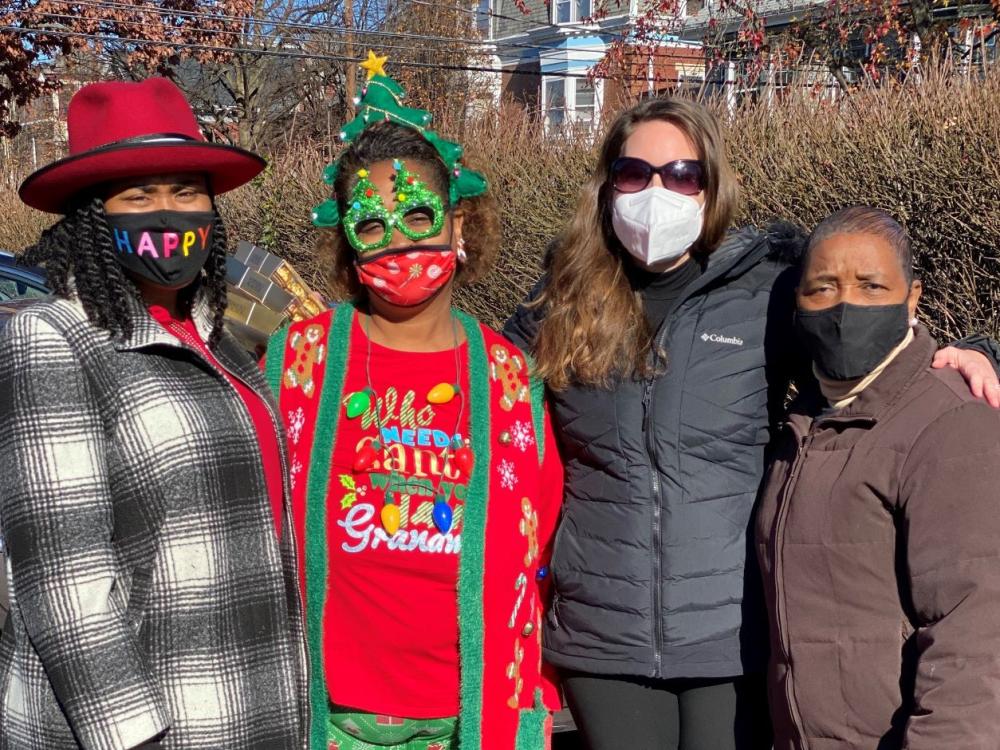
(151, 559)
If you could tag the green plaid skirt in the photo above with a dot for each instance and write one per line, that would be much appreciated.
(357, 730)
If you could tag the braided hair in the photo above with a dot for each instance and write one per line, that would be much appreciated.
(79, 261)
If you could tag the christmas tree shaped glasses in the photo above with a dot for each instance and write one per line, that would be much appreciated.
(419, 212)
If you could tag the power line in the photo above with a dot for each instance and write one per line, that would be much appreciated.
(382, 45)
(270, 22)
(26, 31)
(313, 27)
(587, 56)
(251, 50)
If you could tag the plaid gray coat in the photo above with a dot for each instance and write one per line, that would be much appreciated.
(149, 592)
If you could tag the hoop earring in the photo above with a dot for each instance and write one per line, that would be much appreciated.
(460, 251)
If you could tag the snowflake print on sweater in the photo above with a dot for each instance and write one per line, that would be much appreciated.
(294, 470)
(296, 421)
(523, 436)
(508, 478)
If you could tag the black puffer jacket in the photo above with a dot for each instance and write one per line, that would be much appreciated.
(651, 556)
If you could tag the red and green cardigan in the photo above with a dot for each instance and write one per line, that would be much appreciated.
(505, 698)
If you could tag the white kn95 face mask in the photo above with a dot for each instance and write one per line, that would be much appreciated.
(656, 224)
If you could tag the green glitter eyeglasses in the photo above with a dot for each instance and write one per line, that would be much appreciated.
(368, 224)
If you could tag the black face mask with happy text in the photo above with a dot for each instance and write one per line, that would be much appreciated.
(167, 248)
(848, 341)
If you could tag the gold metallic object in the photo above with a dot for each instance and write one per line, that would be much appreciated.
(265, 292)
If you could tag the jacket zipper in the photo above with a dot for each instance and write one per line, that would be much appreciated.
(802, 447)
(647, 401)
(647, 429)
(803, 443)
(300, 646)
(707, 278)
(289, 524)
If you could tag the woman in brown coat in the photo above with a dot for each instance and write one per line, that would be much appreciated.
(878, 529)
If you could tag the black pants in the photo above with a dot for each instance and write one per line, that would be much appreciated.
(625, 713)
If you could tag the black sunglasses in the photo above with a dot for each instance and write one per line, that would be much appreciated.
(684, 176)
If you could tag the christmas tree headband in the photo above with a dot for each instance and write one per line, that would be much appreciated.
(380, 100)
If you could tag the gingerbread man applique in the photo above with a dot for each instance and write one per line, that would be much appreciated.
(308, 354)
(528, 526)
(514, 675)
(507, 368)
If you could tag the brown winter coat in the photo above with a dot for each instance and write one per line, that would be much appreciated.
(878, 536)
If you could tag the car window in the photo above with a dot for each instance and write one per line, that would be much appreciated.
(30, 291)
(8, 289)
(16, 288)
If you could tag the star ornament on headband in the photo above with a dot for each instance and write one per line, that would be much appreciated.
(381, 100)
(374, 65)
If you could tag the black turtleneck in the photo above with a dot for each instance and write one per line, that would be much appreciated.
(661, 290)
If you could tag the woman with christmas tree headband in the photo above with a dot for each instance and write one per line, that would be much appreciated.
(425, 481)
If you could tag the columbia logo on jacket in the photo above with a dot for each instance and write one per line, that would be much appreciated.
(716, 338)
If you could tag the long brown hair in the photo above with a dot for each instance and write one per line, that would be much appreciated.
(594, 326)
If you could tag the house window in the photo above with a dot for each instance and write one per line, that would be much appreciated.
(572, 11)
(570, 101)
(555, 102)
(483, 18)
(583, 104)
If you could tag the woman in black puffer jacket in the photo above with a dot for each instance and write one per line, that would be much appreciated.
(666, 341)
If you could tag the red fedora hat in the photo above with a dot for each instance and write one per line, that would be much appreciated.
(119, 130)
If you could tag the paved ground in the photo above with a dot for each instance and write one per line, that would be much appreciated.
(564, 738)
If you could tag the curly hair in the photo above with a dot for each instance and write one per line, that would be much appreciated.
(79, 261)
(385, 141)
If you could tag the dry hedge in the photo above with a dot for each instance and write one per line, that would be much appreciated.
(928, 153)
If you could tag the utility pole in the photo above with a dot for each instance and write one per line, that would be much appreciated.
(352, 69)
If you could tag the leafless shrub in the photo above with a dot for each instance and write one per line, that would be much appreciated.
(274, 209)
(537, 181)
(927, 153)
(19, 225)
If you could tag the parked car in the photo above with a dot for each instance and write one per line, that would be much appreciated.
(17, 281)
(19, 285)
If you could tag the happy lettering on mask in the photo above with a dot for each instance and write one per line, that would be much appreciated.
(163, 244)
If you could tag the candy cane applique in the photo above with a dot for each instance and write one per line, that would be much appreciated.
(520, 586)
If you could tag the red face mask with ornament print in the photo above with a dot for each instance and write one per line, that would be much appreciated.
(410, 276)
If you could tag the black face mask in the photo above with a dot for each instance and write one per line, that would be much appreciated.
(168, 248)
(848, 341)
